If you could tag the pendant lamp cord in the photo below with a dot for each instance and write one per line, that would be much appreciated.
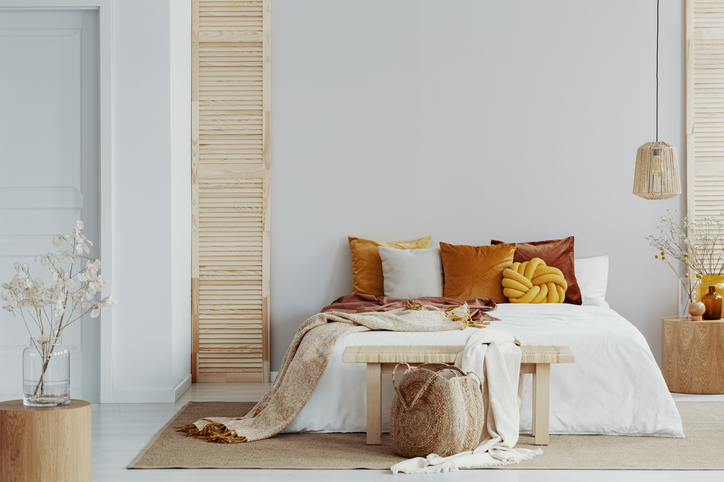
(657, 70)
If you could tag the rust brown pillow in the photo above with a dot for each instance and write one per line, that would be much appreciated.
(475, 271)
(557, 253)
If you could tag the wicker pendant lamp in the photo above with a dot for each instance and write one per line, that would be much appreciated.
(657, 165)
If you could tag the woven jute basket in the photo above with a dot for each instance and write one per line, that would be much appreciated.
(431, 414)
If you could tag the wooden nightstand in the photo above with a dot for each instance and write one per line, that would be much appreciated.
(692, 354)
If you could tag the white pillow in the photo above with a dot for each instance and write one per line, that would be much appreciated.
(592, 277)
(412, 273)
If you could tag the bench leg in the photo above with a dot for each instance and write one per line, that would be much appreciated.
(374, 403)
(541, 402)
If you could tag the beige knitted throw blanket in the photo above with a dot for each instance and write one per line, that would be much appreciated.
(305, 361)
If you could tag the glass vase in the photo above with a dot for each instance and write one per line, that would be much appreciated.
(715, 280)
(46, 373)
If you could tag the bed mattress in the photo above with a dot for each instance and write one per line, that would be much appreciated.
(615, 386)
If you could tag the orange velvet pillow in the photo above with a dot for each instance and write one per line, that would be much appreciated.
(475, 271)
(557, 253)
(367, 277)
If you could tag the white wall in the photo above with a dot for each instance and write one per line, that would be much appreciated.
(468, 120)
(151, 182)
(180, 103)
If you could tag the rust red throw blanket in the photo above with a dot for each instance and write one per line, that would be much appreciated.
(359, 303)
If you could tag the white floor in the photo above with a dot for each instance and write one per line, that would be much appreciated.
(120, 431)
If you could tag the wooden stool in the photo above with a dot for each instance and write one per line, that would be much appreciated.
(535, 359)
(45, 444)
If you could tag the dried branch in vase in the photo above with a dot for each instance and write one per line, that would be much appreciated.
(47, 310)
(696, 243)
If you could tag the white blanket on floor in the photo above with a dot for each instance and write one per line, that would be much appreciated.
(494, 356)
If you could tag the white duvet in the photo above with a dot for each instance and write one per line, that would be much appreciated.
(614, 387)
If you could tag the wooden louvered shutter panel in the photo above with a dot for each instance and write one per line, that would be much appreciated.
(705, 107)
(230, 192)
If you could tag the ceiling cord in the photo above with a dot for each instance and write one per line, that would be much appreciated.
(657, 70)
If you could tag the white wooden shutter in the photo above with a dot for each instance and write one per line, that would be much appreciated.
(705, 107)
(230, 192)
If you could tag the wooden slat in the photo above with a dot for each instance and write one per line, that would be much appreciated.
(446, 354)
(231, 164)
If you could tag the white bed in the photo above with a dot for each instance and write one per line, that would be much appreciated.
(614, 387)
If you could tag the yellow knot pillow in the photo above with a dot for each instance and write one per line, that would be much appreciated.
(534, 282)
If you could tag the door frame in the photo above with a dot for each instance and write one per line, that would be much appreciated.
(105, 26)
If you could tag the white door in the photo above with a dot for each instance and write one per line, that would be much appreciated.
(49, 165)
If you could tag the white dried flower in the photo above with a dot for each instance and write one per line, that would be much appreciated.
(696, 243)
(111, 301)
(78, 296)
(51, 308)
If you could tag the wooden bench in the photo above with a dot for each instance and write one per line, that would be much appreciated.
(535, 359)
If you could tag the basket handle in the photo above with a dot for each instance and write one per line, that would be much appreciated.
(450, 368)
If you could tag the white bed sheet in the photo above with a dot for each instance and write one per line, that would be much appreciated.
(614, 387)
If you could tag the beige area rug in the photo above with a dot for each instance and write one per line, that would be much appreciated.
(700, 450)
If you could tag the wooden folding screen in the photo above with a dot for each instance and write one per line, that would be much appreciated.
(705, 107)
(230, 191)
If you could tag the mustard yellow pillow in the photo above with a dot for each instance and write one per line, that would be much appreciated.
(367, 277)
(475, 271)
(534, 282)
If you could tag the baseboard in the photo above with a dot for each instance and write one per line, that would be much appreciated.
(272, 376)
(142, 395)
(151, 395)
(182, 387)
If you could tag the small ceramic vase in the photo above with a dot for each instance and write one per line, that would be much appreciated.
(696, 309)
